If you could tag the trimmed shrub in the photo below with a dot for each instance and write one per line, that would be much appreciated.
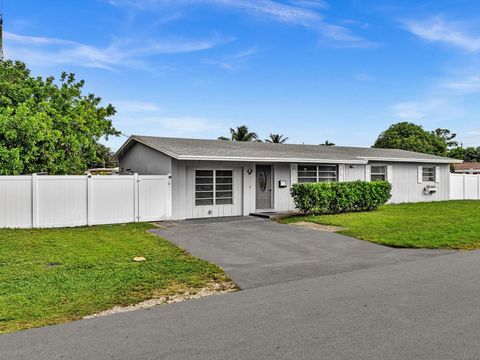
(338, 197)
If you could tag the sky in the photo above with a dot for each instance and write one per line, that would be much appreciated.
(312, 70)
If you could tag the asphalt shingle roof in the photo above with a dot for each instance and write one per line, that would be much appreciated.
(190, 149)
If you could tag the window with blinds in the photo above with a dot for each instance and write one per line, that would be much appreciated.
(317, 173)
(428, 173)
(213, 187)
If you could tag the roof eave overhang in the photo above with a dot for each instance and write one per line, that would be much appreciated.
(133, 138)
(429, 161)
(271, 159)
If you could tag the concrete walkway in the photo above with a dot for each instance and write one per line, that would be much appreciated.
(258, 252)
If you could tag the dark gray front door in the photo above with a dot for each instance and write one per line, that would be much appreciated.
(264, 186)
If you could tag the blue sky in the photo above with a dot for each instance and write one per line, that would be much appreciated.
(309, 69)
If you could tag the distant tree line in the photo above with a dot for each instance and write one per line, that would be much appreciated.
(402, 135)
(242, 133)
(412, 137)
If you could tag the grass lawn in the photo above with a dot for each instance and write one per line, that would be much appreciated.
(447, 224)
(51, 276)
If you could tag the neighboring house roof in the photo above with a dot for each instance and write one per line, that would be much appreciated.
(198, 149)
(467, 167)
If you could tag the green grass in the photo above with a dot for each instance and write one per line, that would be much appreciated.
(448, 224)
(51, 276)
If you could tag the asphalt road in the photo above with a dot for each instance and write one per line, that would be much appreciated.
(424, 307)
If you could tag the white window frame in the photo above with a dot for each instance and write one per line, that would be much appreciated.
(214, 188)
(384, 174)
(318, 173)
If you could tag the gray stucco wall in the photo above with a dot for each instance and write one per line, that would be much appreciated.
(145, 161)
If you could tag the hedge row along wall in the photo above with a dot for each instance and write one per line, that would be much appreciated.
(338, 197)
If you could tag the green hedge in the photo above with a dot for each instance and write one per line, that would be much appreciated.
(338, 197)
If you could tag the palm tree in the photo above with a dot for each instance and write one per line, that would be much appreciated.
(240, 134)
(277, 139)
(328, 143)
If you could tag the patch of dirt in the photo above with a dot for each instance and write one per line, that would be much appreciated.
(315, 226)
(165, 224)
(213, 288)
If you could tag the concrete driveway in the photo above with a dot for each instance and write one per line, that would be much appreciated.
(257, 252)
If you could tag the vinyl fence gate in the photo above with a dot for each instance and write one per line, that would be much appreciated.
(60, 201)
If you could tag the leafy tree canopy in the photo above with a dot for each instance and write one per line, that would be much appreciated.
(49, 126)
(241, 133)
(447, 136)
(408, 136)
(468, 154)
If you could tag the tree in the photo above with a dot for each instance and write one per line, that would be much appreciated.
(47, 126)
(328, 143)
(277, 139)
(408, 136)
(241, 133)
(447, 136)
(467, 154)
(104, 154)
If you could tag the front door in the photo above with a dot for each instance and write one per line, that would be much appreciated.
(264, 187)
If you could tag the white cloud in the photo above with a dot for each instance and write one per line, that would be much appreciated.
(313, 4)
(362, 76)
(281, 12)
(234, 61)
(469, 84)
(297, 12)
(165, 125)
(149, 118)
(430, 110)
(437, 29)
(44, 51)
(169, 126)
(188, 125)
(132, 106)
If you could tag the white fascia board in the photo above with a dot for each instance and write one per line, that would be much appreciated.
(166, 152)
(410, 160)
(115, 156)
(260, 159)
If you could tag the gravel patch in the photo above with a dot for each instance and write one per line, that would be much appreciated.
(316, 226)
(214, 288)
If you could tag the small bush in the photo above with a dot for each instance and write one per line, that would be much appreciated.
(338, 197)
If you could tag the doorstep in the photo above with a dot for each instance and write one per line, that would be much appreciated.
(273, 215)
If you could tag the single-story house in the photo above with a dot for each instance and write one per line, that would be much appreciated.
(467, 168)
(226, 178)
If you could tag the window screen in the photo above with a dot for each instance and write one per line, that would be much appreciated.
(378, 173)
(317, 173)
(428, 173)
(213, 187)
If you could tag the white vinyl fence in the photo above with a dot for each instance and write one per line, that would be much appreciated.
(57, 201)
(464, 187)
